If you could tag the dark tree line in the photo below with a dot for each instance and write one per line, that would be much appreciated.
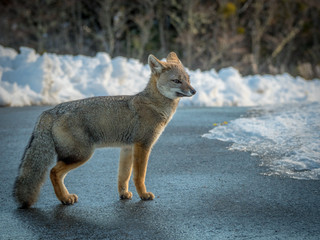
(255, 36)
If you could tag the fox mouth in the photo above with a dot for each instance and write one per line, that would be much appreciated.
(188, 94)
(179, 94)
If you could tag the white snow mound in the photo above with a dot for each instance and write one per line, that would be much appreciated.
(27, 78)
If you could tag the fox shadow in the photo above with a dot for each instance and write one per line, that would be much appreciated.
(122, 220)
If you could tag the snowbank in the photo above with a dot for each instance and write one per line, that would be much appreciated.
(28, 78)
(285, 137)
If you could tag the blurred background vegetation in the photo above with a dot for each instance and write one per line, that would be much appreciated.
(254, 36)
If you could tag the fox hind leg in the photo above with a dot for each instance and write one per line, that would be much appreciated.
(57, 175)
(124, 173)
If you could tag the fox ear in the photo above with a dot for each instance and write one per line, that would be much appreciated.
(173, 58)
(155, 65)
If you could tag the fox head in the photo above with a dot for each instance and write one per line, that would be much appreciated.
(172, 80)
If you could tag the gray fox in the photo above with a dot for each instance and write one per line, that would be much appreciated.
(72, 131)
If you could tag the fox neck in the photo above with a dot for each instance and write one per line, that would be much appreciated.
(152, 92)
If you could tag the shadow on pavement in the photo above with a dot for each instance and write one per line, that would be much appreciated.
(119, 221)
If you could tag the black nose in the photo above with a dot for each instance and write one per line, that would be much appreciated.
(193, 92)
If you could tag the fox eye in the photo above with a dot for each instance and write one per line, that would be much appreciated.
(176, 81)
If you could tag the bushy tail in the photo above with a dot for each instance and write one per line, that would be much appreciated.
(38, 156)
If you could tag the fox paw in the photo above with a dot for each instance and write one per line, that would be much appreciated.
(70, 199)
(147, 196)
(126, 195)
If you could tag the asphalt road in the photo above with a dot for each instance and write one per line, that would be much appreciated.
(203, 191)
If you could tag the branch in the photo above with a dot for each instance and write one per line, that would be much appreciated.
(287, 39)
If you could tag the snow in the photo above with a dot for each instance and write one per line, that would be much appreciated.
(285, 137)
(27, 78)
(282, 129)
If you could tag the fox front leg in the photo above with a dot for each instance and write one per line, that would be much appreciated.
(140, 162)
(124, 173)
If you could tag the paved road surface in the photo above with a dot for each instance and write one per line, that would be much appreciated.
(203, 191)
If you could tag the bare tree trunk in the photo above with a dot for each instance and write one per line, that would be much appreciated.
(106, 19)
(79, 29)
(259, 28)
(189, 37)
(161, 22)
(256, 36)
(145, 23)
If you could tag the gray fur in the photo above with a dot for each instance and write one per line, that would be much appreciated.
(37, 157)
(72, 130)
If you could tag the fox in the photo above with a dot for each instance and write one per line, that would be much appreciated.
(71, 131)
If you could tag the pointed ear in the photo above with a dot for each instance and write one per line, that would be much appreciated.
(173, 58)
(155, 64)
